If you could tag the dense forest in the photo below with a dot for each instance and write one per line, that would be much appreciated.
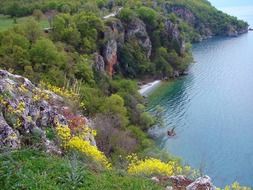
(95, 62)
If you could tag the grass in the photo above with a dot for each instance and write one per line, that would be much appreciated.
(35, 170)
(7, 22)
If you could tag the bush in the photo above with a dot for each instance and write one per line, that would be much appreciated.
(111, 139)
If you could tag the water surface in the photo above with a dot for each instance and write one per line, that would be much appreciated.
(212, 110)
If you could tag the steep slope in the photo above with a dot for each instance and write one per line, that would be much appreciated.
(27, 111)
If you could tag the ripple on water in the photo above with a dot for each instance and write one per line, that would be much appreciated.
(212, 110)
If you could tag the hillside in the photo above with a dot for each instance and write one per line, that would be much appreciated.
(74, 86)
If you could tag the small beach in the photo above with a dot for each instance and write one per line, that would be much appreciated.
(147, 88)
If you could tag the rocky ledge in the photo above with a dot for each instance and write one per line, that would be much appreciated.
(183, 183)
(26, 110)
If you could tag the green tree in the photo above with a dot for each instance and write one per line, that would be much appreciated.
(31, 29)
(64, 29)
(127, 14)
(14, 51)
(163, 68)
(45, 56)
(148, 15)
(89, 26)
(83, 70)
(115, 105)
(37, 14)
(133, 61)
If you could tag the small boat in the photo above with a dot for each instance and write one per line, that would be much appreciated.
(171, 133)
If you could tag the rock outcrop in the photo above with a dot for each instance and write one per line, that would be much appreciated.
(110, 55)
(115, 36)
(27, 110)
(181, 182)
(136, 29)
(172, 34)
(99, 64)
(115, 30)
(203, 28)
(202, 183)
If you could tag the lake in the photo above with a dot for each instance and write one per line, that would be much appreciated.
(212, 108)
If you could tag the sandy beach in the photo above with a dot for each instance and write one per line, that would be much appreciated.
(147, 88)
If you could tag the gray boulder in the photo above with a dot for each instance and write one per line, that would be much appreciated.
(202, 183)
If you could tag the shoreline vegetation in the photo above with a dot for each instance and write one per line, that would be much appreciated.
(87, 103)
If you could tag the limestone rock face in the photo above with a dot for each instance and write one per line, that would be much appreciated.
(99, 63)
(172, 34)
(202, 183)
(110, 55)
(180, 182)
(204, 29)
(27, 110)
(183, 13)
(115, 36)
(137, 30)
(115, 30)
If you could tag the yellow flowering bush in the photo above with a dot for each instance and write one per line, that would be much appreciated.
(89, 150)
(60, 91)
(63, 133)
(150, 166)
(77, 143)
(236, 186)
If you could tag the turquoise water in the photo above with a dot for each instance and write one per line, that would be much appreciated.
(212, 109)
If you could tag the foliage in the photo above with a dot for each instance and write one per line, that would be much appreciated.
(77, 143)
(148, 15)
(127, 15)
(152, 166)
(63, 60)
(236, 186)
(115, 105)
(111, 138)
(133, 61)
(30, 169)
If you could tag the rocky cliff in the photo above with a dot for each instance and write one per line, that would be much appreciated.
(178, 23)
(28, 111)
(206, 24)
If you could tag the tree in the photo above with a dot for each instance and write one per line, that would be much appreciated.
(148, 15)
(163, 67)
(14, 51)
(89, 26)
(37, 14)
(83, 70)
(114, 105)
(64, 29)
(127, 15)
(32, 30)
(45, 56)
(133, 61)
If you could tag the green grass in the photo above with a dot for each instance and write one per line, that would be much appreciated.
(34, 170)
(7, 22)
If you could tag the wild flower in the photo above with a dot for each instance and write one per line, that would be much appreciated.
(236, 186)
(63, 133)
(77, 143)
(60, 91)
(89, 150)
(152, 166)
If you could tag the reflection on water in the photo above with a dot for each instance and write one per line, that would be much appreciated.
(212, 110)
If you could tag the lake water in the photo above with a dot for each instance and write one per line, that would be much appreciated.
(212, 108)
